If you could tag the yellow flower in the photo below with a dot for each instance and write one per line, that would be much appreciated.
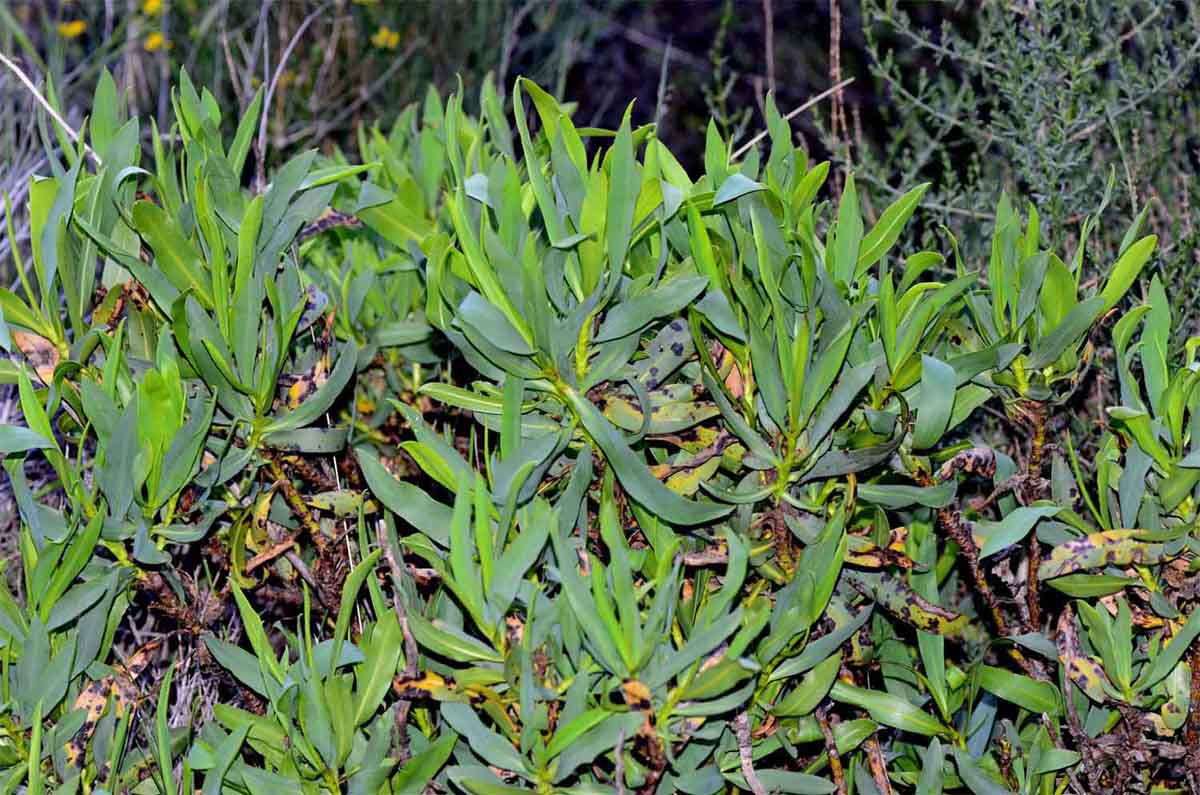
(154, 41)
(73, 29)
(151, 7)
(386, 39)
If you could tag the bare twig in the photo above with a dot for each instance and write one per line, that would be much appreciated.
(41, 100)
(510, 40)
(835, 760)
(878, 765)
(272, 552)
(619, 763)
(741, 726)
(364, 96)
(724, 440)
(835, 68)
(395, 562)
(769, 42)
(794, 113)
(283, 59)
(707, 557)
(292, 497)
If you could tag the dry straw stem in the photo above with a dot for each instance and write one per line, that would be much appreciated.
(261, 152)
(794, 113)
(54, 114)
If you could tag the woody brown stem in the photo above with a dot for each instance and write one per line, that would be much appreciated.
(1192, 734)
(1036, 411)
(741, 726)
(951, 522)
(835, 760)
(875, 758)
(292, 497)
(878, 765)
(395, 562)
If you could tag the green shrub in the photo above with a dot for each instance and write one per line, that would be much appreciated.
(1055, 101)
(688, 502)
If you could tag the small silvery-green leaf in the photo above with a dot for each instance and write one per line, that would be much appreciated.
(937, 401)
(1011, 529)
(735, 186)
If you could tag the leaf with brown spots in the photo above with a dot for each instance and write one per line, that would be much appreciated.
(429, 685)
(308, 383)
(1106, 548)
(974, 461)
(94, 698)
(894, 596)
(862, 552)
(1084, 670)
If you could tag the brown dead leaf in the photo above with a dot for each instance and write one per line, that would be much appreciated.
(40, 352)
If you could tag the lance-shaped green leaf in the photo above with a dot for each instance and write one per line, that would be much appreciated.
(1128, 266)
(488, 744)
(638, 312)
(887, 231)
(175, 255)
(936, 402)
(319, 401)
(1066, 334)
(810, 690)
(734, 187)
(786, 781)
(932, 775)
(623, 186)
(897, 496)
(979, 782)
(404, 499)
(889, 710)
(848, 235)
(1035, 696)
(1012, 528)
(450, 641)
(582, 605)
(633, 473)
(1171, 654)
(16, 439)
(1140, 427)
